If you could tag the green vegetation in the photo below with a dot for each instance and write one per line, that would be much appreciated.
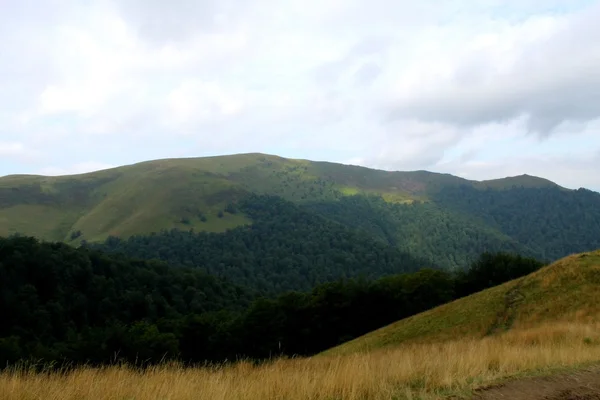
(446, 238)
(444, 220)
(286, 248)
(59, 303)
(564, 291)
(550, 221)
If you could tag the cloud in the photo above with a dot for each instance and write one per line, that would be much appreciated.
(547, 69)
(17, 150)
(177, 21)
(392, 84)
(74, 169)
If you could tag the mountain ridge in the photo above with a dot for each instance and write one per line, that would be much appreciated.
(449, 218)
(259, 154)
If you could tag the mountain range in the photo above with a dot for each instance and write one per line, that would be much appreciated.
(441, 219)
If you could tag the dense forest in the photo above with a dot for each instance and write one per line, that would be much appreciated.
(58, 303)
(285, 248)
(552, 222)
(447, 239)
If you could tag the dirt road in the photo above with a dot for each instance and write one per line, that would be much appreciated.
(582, 385)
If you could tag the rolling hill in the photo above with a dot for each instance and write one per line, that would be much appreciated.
(438, 217)
(566, 290)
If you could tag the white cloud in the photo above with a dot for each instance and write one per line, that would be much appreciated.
(11, 149)
(547, 68)
(79, 168)
(391, 84)
(18, 151)
(198, 101)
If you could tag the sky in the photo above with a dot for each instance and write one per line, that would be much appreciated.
(481, 89)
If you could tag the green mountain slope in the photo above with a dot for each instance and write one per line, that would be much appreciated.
(447, 238)
(567, 290)
(442, 218)
(286, 248)
(550, 221)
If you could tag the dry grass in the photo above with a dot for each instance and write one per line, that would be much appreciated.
(408, 371)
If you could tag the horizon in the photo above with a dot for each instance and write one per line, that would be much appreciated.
(479, 90)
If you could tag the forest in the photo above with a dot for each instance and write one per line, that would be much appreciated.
(551, 222)
(80, 305)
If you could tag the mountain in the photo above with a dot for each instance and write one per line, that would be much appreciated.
(565, 291)
(440, 218)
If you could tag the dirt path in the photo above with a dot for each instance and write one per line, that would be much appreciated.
(582, 385)
(504, 320)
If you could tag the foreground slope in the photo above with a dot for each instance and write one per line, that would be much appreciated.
(567, 290)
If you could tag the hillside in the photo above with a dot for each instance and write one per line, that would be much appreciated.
(441, 218)
(286, 248)
(567, 290)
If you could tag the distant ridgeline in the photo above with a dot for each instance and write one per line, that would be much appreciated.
(62, 304)
(282, 224)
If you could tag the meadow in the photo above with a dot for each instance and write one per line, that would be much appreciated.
(408, 371)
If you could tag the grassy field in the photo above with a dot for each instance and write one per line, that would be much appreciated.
(417, 371)
(565, 290)
(177, 193)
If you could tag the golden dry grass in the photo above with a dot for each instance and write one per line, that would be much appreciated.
(406, 372)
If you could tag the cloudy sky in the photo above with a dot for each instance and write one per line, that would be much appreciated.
(481, 89)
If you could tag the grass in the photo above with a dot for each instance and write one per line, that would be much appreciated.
(410, 371)
(44, 220)
(566, 289)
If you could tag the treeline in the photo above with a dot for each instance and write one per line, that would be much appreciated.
(62, 304)
(285, 248)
